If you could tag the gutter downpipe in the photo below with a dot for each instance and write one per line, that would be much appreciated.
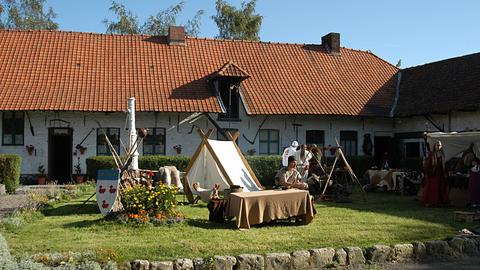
(397, 94)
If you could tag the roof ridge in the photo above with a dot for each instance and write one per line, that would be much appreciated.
(73, 32)
(443, 60)
(381, 59)
(190, 37)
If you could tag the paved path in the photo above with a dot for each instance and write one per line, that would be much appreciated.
(10, 203)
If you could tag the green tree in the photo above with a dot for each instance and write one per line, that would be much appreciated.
(26, 14)
(127, 22)
(235, 23)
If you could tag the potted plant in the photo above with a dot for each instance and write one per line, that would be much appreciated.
(81, 149)
(79, 177)
(30, 149)
(42, 178)
(178, 148)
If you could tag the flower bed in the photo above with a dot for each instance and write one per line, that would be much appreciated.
(150, 204)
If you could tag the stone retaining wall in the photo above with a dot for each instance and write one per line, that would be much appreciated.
(322, 257)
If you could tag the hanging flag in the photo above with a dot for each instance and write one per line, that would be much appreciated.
(107, 189)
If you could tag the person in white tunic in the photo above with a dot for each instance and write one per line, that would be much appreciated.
(303, 157)
(289, 151)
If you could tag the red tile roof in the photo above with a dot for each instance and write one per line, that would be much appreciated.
(230, 69)
(55, 70)
(441, 86)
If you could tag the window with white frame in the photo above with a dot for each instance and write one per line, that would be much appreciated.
(113, 135)
(154, 142)
(412, 148)
(12, 128)
(269, 140)
(349, 142)
(315, 137)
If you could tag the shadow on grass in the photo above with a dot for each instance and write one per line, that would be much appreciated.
(230, 224)
(408, 207)
(206, 224)
(72, 209)
(84, 223)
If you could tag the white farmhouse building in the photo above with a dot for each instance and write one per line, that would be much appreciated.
(61, 90)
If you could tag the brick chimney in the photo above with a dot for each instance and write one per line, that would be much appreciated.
(331, 42)
(176, 35)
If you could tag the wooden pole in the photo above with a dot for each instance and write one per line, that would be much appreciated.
(330, 175)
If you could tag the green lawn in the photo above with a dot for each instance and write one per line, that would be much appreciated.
(382, 218)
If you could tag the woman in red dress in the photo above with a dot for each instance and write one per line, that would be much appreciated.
(435, 186)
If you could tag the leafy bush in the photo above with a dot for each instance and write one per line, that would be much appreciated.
(18, 219)
(30, 265)
(265, 168)
(149, 204)
(10, 171)
(155, 162)
(4, 252)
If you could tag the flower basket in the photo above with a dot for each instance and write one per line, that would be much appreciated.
(79, 178)
(81, 149)
(30, 149)
(41, 178)
(178, 148)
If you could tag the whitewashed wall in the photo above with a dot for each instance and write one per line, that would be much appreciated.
(456, 121)
(82, 123)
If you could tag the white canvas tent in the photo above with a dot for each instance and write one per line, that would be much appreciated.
(454, 143)
(219, 162)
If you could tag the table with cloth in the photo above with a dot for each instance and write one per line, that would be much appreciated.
(251, 208)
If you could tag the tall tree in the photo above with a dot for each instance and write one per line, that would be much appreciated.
(235, 23)
(26, 14)
(127, 23)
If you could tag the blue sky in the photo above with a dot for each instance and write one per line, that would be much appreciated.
(417, 32)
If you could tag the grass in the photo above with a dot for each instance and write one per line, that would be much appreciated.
(382, 218)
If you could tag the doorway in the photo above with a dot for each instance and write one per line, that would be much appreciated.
(60, 143)
(382, 145)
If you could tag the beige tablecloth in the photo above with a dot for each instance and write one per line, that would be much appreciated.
(251, 208)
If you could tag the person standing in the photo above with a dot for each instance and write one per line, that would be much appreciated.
(303, 157)
(289, 151)
(435, 185)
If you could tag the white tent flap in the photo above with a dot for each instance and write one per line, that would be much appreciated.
(455, 143)
(207, 172)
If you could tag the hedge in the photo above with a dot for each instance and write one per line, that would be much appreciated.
(264, 167)
(96, 163)
(10, 171)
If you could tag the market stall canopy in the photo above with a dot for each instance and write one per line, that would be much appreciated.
(454, 143)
